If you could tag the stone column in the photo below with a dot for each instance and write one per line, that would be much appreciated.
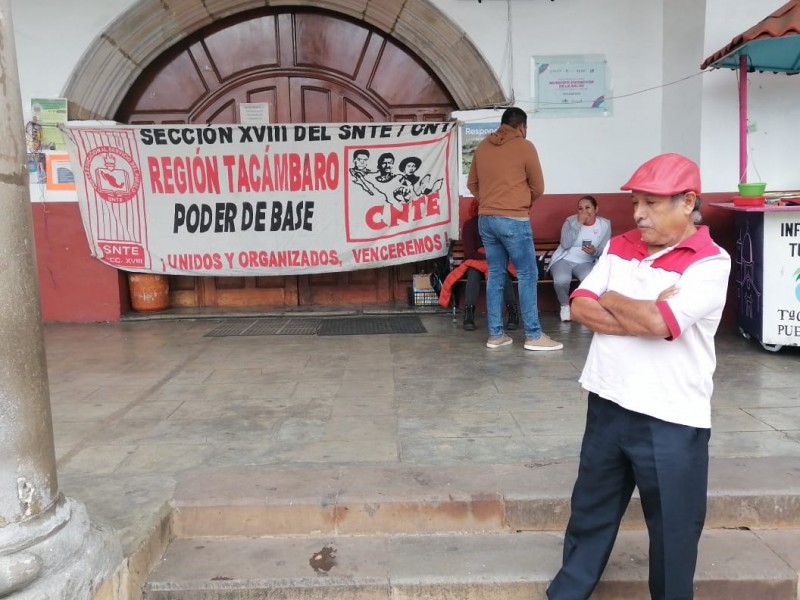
(48, 548)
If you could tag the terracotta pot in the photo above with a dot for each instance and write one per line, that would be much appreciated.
(149, 291)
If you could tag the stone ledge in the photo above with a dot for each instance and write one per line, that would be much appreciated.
(732, 564)
(743, 493)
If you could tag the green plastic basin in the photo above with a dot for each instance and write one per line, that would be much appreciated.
(748, 190)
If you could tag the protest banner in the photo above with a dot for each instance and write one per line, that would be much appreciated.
(265, 199)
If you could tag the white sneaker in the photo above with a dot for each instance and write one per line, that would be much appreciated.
(565, 316)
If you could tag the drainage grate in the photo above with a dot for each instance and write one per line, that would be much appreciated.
(328, 326)
(300, 327)
(255, 327)
(230, 328)
(371, 325)
(264, 327)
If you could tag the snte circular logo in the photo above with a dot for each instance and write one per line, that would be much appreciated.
(112, 173)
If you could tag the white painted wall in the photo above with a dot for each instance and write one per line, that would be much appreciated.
(684, 24)
(51, 36)
(772, 108)
(590, 153)
(647, 45)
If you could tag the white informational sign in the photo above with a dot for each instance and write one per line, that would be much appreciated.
(781, 293)
(254, 113)
(569, 86)
(265, 199)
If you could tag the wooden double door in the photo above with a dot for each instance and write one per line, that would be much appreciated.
(311, 66)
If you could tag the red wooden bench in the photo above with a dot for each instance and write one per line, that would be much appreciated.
(455, 256)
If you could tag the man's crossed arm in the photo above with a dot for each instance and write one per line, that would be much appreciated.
(615, 314)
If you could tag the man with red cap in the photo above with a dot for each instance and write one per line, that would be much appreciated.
(654, 301)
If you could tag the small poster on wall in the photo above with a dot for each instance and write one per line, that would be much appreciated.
(570, 86)
(473, 127)
(59, 172)
(43, 132)
(471, 135)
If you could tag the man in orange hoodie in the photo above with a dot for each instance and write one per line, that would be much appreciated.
(506, 178)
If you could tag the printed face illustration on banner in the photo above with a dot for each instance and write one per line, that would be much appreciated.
(263, 199)
(395, 189)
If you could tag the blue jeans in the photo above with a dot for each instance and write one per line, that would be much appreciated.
(503, 239)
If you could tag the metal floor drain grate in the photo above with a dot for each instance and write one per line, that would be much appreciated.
(300, 327)
(263, 327)
(253, 327)
(371, 325)
(230, 328)
(328, 326)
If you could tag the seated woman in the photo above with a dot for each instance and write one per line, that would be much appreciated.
(473, 250)
(583, 237)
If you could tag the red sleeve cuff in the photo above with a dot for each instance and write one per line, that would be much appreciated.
(669, 319)
(583, 293)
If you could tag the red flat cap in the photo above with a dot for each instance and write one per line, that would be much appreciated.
(665, 175)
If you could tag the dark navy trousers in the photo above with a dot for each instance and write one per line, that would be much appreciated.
(669, 464)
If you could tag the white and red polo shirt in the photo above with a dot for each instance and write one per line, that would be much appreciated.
(669, 379)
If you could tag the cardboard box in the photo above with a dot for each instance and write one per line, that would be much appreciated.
(422, 283)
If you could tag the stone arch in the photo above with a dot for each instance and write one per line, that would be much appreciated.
(118, 56)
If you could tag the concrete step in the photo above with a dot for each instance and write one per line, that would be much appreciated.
(462, 532)
(733, 564)
(743, 493)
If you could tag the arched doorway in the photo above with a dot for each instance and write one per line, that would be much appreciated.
(309, 66)
(113, 67)
(117, 57)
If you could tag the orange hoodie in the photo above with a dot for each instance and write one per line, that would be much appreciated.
(505, 174)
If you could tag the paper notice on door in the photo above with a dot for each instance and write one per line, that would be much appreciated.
(253, 113)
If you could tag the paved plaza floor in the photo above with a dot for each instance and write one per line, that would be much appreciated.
(139, 405)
